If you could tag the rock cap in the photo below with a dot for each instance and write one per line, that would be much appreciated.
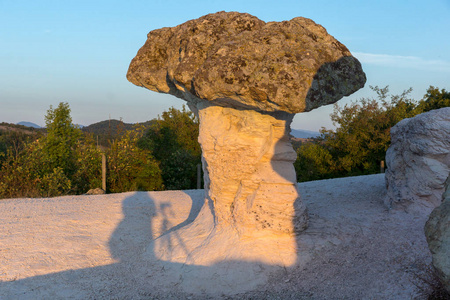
(234, 59)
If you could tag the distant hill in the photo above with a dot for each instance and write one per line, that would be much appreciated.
(304, 134)
(8, 127)
(13, 137)
(110, 127)
(29, 124)
(109, 130)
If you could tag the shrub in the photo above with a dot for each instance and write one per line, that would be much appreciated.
(173, 140)
(130, 167)
(360, 140)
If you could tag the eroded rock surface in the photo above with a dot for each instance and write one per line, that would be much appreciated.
(250, 169)
(418, 160)
(437, 231)
(234, 59)
(245, 79)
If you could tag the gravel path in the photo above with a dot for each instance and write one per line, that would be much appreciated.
(89, 247)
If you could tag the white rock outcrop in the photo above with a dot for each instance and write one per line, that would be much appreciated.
(418, 160)
(437, 231)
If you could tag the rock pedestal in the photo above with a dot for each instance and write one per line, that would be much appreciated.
(253, 209)
(249, 173)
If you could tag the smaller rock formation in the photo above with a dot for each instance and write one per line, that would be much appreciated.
(418, 160)
(96, 191)
(437, 231)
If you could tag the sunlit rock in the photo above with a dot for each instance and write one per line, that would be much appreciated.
(245, 79)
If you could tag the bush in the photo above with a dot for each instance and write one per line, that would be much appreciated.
(21, 175)
(173, 140)
(360, 140)
(131, 168)
(55, 183)
(314, 162)
(88, 174)
(434, 99)
(66, 162)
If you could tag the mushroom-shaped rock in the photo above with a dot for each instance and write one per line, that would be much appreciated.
(245, 79)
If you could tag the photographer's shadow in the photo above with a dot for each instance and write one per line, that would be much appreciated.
(146, 215)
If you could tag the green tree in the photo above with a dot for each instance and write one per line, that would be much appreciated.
(434, 99)
(173, 141)
(362, 135)
(20, 175)
(61, 140)
(314, 162)
(88, 174)
(131, 168)
(66, 161)
(360, 140)
(46, 166)
(15, 138)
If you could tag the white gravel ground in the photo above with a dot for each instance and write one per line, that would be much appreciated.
(89, 247)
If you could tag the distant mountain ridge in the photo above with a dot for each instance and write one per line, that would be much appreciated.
(29, 124)
(114, 127)
(108, 130)
(304, 134)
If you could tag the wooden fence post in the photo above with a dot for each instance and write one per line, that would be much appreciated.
(104, 172)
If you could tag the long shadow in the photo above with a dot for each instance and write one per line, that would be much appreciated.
(131, 277)
(136, 274)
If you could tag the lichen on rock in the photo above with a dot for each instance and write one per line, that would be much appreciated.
(237, 60)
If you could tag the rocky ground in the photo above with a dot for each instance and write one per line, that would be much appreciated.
(90, 247)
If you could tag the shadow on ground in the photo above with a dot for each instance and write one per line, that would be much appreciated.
(136, 277)
(352, 249)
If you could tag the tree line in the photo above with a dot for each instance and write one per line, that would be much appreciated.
(65, 160)
(362, 134)
(164, 153)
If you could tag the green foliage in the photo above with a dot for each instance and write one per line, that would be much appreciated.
(21, 175)
(173, 140)
(314, 162)
(131, 168)
(66, 161)
(88, 174)
(360, 140)
(61, 140)
(105, 132)
(14, 138)
(55, 183)
(434, 99)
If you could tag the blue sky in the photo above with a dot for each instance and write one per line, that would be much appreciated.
(79, 51)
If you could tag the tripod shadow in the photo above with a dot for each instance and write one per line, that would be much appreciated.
(146, 215)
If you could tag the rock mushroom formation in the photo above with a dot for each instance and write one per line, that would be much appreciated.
(245, 79)
(418, 160)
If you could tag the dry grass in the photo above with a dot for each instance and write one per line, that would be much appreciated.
(427, 281)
